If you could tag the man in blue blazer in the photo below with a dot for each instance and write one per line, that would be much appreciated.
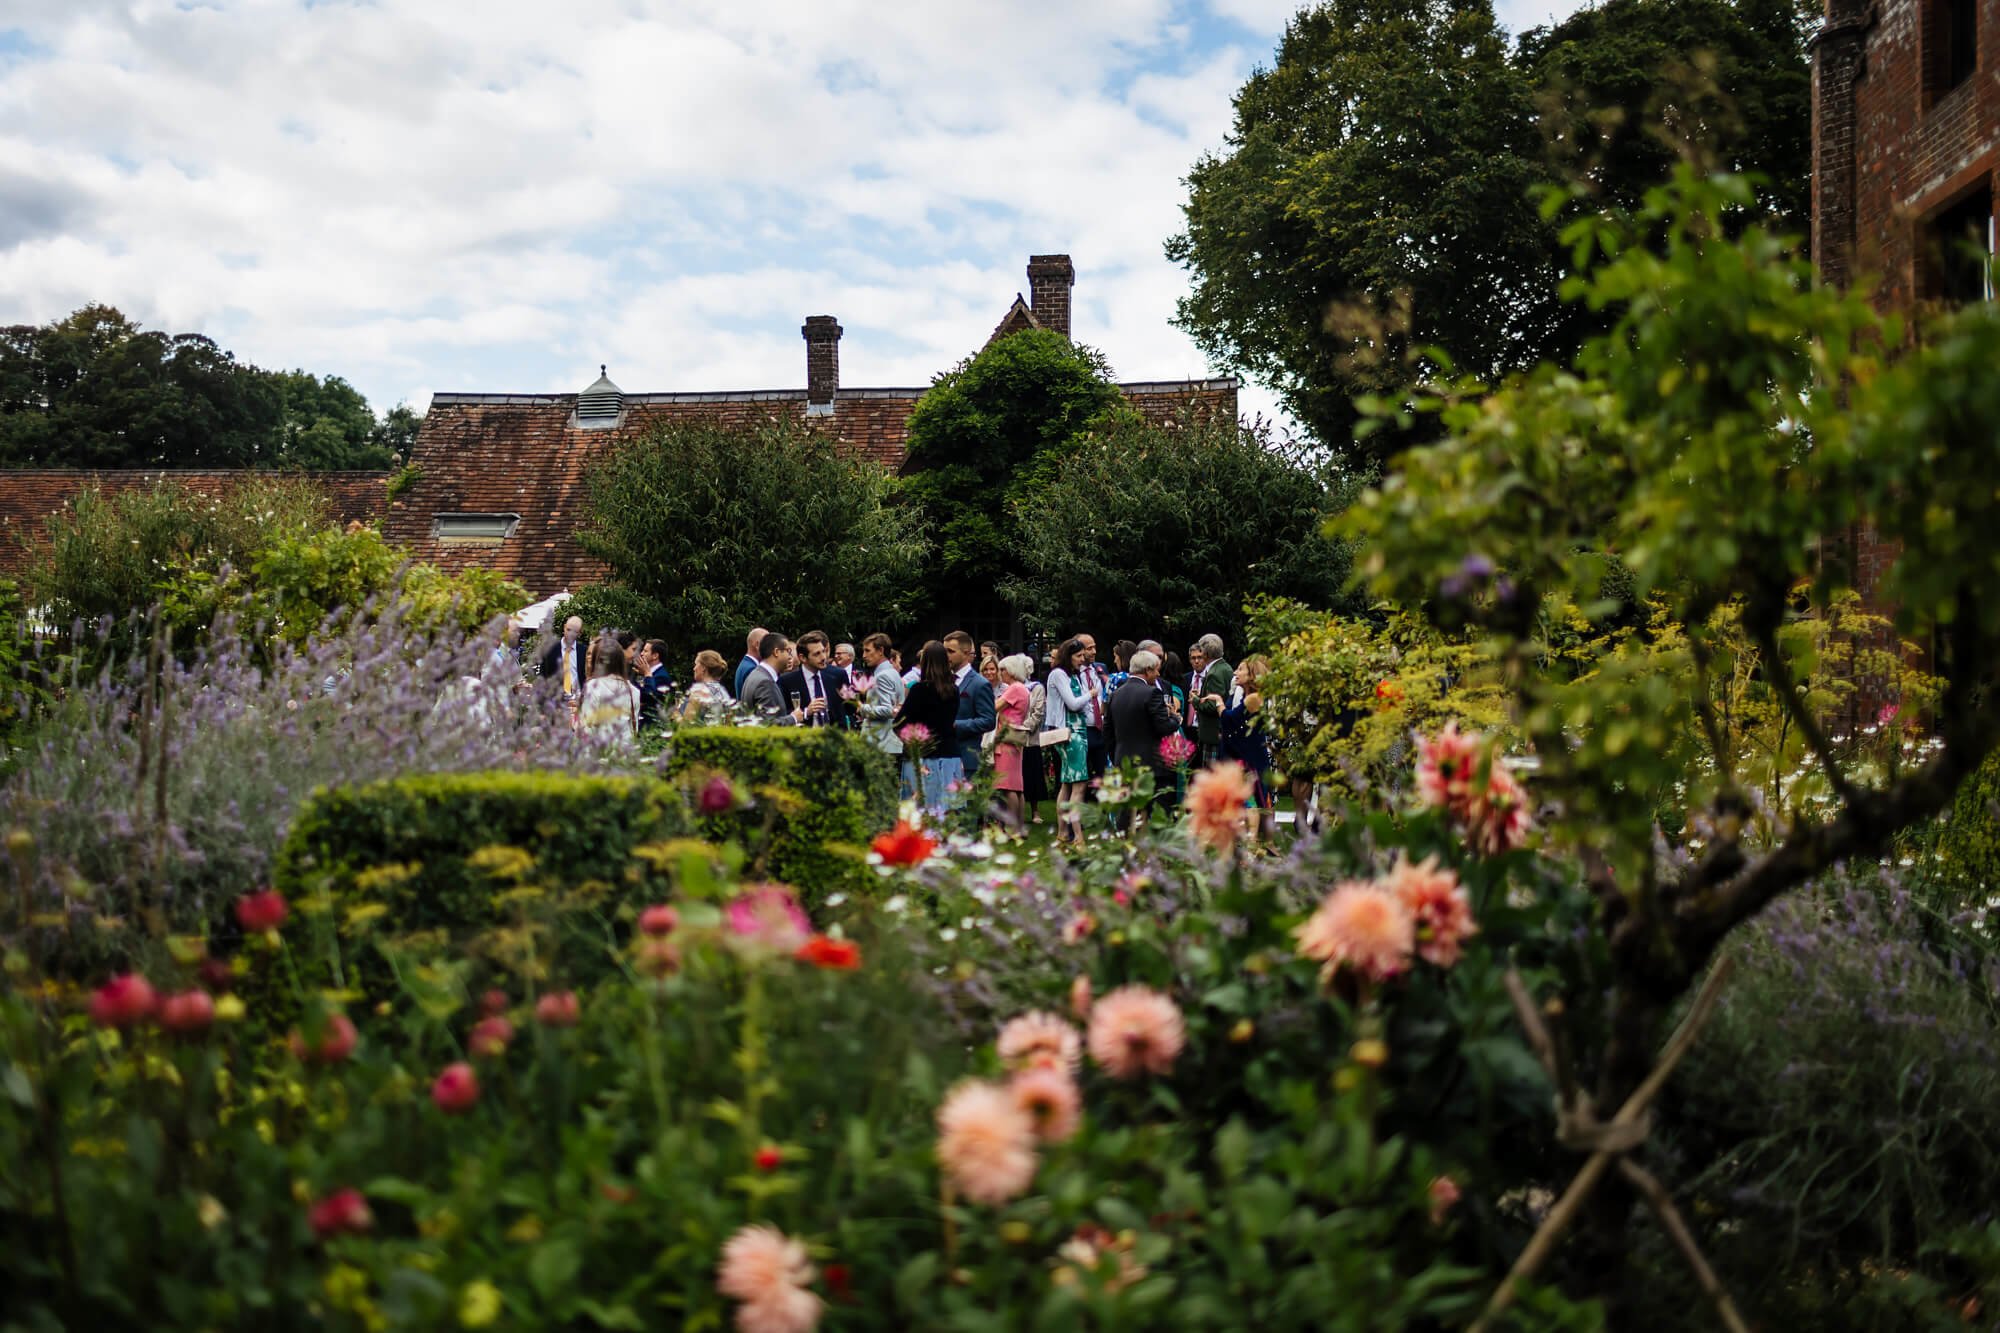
(975, 699)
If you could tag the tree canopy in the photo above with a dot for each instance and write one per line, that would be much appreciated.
(95, 390)
(1734, 421)
(1374, 199)
(1173, 529)
(988, 434)
(725, 527)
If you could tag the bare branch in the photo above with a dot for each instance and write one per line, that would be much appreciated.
(1677, 1230)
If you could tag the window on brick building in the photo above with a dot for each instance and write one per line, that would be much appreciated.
(1956, 24)
(473, 529)
(1961, 244)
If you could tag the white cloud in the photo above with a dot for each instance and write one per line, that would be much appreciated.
(499, 195)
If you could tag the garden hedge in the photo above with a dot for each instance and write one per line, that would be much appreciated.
(442, 856)
(1970, 843)
(817, 796)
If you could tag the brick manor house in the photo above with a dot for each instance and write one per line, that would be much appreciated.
(499, 476)
(1905, 174)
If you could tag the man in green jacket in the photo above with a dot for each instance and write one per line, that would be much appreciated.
(1215, 679)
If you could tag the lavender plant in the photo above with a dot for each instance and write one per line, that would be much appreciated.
(164, 786)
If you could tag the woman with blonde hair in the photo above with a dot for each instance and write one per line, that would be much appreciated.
(707, 703)
(1243, 737)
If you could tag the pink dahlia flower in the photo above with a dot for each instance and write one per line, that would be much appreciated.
(768, 916)
(1439, 905)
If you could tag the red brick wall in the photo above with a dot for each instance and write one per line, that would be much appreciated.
(1913, 152)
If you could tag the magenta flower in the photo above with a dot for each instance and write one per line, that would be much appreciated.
(915, 735)
(1176, 749)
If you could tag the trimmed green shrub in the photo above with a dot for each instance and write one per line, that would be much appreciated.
(816, 798)
(491, 863)
(609, 606)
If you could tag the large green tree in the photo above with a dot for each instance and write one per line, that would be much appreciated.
(1375, 200)
(988, 434)
(95, 390)
(1171, 529)
(726, 527)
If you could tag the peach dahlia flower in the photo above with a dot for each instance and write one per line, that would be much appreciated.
(1136, 1030)
(986, 1143)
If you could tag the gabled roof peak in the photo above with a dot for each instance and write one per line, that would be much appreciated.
(1020, 316)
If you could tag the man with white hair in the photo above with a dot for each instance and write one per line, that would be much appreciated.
(564, 660)
(1140, 718)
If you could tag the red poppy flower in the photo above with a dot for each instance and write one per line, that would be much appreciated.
(838, 955)
(904, 845)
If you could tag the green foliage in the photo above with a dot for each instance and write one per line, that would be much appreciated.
(1187, 523)
(609, 606)
(1390, 149)
(111, 554)
(303, 583)
(1841, 1116)
(1624, 87)
(1373, 200)
(326, 424)
(95, 390)
(1265, 1175)
(1969, 843)
(480, 863)
(23, 688)
(989, 436)
(1715, 381)
(816, 798)
(1345, 692)
(768, 524)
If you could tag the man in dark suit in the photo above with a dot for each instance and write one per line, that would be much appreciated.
(816, 683)
(654, 682)
(1213, 678)
(1140, 718)
(761, 696)
(562, 661)
(752, 647)
(975, 699)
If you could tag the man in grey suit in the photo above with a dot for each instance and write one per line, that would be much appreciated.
(886, 692)
(760, 696)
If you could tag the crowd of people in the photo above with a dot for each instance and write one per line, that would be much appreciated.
(1047, 729)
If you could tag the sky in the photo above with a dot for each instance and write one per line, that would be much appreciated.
(500, 195)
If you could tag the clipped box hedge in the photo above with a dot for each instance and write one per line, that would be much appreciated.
(818, 797)
(437, 856)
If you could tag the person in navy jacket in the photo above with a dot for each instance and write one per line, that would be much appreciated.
(975, 699)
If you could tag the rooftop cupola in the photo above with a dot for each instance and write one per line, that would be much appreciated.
(600, 406)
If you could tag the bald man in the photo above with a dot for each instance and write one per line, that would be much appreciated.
(752, 641)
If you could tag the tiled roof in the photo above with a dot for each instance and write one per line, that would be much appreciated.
(499, 453)
(28, 496)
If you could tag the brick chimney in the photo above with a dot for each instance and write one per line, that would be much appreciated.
(822, 335)
(1049, 279)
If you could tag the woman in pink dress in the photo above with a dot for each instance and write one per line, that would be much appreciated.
(1011, 708)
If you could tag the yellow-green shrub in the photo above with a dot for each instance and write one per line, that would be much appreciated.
(525, 870)
(817, 797)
